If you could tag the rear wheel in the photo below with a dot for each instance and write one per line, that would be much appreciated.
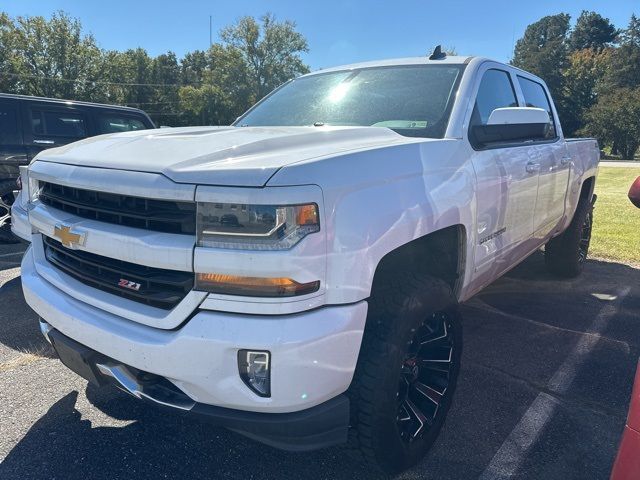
(566, 254)
(407, 371)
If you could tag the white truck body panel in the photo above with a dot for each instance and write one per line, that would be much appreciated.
(376, 191)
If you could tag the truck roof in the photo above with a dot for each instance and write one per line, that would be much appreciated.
(69, 102)
(449, 59)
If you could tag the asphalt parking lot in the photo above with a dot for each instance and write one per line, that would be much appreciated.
(544, 389)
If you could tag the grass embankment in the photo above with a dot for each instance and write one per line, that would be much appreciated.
(616, 225)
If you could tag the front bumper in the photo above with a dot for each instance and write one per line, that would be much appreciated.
(313, 354)
(317, 427)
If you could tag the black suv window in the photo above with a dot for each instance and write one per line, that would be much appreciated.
(535, 96)
(496, 91)
(8, 120)
(58, 123)
(112, 123)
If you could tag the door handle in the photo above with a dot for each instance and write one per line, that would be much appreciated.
(44, 142)
(532, 167)
(565, 160)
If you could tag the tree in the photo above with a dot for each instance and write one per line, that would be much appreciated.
(615, 120)
(271, 51)
(166, 76)
(583, 79)
(592, 31)
(54, 59)
(543, 51)
(193, 66)
(8, 70)
(205, 105)
(625, 65)
(252, 60)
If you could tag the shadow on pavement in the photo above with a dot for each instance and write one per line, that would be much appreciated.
(19, 329)
(62, 445)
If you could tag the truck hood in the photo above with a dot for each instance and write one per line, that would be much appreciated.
(228, 156)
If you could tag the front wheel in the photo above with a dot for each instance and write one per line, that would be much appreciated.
(565, 254)
(407, 371)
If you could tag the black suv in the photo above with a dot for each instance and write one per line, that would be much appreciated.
(31, 124)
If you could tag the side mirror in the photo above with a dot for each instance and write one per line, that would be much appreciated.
(512, 124)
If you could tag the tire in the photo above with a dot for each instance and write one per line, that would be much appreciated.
(565, 254)
(6, 236)
(403, 312)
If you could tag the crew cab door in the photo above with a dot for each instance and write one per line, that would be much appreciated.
(554, 162)
(507, 178)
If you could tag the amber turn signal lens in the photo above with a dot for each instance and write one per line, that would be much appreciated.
(307, 215)
(253, 286)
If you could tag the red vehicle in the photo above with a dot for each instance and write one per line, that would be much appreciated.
(627, 465)
(634, 193)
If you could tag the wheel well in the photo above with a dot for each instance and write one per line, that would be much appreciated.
(587, 188)
(439, 254)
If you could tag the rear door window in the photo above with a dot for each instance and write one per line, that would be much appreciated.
(58, 123)
(9, 127)
(535, 96)
(8, 120)
(112, 123)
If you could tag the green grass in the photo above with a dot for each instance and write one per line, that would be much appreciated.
(616, 225)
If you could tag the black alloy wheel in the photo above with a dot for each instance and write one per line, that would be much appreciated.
(425, 376)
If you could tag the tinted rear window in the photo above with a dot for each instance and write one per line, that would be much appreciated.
(535, 96)
(8, 120)
(58, 123)
(112, 123)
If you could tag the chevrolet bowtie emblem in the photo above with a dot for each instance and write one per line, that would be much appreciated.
(67, 237)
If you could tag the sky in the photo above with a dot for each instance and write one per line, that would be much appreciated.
(338, 32)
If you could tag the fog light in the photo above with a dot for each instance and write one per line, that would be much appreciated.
(255, 371)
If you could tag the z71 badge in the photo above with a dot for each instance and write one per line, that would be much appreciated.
(124, 283)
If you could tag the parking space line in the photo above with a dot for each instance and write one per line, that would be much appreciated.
(507, 460)
(478, 304)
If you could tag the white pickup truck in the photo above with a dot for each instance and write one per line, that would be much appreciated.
(296, 277)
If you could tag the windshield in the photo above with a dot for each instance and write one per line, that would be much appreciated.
(413, 100)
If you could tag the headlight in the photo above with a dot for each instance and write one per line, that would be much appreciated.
(255, 227)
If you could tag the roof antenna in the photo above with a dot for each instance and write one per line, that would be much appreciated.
(437, 54)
